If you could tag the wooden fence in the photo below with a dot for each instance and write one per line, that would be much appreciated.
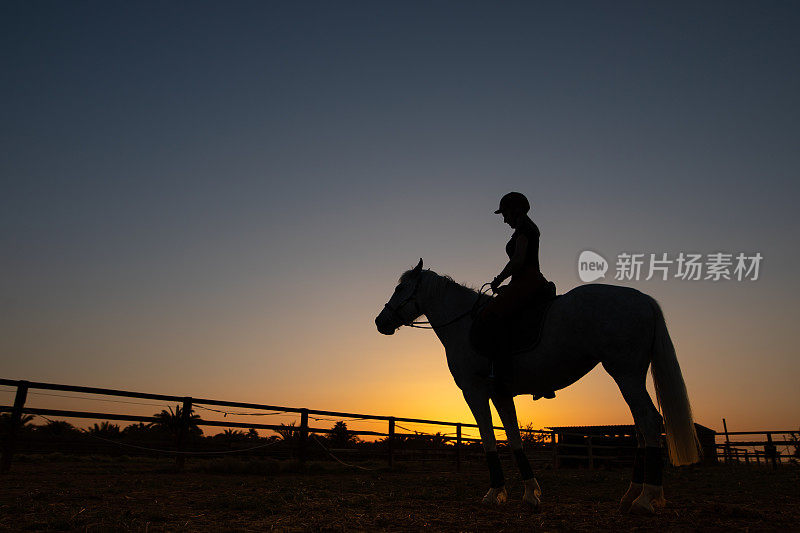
(550, 450)
(755, 451)
(187, 405)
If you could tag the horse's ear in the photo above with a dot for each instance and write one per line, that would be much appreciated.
(418, 268)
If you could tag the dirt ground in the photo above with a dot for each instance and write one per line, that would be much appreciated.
(122, 494)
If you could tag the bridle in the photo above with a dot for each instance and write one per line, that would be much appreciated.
(425, 324)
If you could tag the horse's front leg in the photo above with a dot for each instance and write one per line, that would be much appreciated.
(508, 415)
(478, 401)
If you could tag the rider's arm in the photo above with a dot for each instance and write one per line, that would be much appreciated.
(517, 260)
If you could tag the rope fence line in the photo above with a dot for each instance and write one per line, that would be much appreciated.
(449, 435)
(322, 419)
(288, 413)
(339, 460)
(226, 413)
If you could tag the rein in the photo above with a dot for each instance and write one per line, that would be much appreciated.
(426, 324)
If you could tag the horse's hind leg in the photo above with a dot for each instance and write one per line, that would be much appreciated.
(648, 464)
(508, 415)
(637, 478)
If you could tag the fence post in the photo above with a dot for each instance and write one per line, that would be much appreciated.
(390, 441)
(746, 457)
(727, 442)
(771, 451)
(458, 447)
(183, 432)
(303, 435)
(591, 454)
(13, 425)
(555, 450)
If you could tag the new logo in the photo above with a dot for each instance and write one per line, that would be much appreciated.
(591, 266)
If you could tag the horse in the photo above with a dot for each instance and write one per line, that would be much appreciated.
(619, 327)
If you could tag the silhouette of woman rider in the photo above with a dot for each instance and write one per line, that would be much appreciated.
(490, 332)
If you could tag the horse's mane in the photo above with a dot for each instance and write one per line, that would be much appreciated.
(437, 284)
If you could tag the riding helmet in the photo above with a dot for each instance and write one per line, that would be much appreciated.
(514, 200)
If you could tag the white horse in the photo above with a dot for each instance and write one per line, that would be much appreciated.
(619, 327)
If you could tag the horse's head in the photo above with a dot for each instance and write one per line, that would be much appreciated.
(402, 308)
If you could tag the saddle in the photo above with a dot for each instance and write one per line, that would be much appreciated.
(522, 333)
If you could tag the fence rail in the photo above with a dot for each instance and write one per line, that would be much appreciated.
(588, 451)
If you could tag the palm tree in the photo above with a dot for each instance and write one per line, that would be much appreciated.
(340, 436)
(437, 440)
(58, 427)
(24, 421)
(172, 421)
(232, 435)
(137, 430)
(288, 433)
(105, 430)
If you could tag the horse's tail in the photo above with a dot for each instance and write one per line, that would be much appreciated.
(673, 400)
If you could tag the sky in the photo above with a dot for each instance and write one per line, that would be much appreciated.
(216, 199)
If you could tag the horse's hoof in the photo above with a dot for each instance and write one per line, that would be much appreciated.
(624, 506)
(640, 508)
(533, 503)
(651, 495)
(634, 490)
(495, 496)
(533, 486)
(532, 495)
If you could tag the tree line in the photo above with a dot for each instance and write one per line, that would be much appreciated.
(169, 422)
